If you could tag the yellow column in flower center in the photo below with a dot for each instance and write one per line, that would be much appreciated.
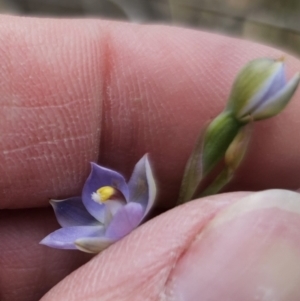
(103, 194)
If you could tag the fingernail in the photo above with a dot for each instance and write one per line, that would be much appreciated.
(249, 251)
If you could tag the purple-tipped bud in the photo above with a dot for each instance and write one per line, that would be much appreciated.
(261, 90)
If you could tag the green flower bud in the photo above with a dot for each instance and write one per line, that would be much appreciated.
(261, 91)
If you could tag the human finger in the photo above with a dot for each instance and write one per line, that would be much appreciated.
(74, 91)
(245, 250)
(27, 269)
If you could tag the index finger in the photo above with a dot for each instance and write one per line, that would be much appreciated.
(75, 91)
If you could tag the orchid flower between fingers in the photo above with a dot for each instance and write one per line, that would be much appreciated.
(108, 209)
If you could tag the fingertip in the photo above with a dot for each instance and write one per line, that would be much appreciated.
(248, 250)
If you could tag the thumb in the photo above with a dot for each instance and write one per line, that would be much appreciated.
(227, 247)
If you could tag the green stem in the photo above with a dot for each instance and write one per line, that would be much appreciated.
(222, 180)
(210, 148)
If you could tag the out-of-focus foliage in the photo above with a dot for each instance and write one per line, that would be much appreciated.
(274, 22)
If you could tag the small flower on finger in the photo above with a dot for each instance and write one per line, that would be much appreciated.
(108, 209)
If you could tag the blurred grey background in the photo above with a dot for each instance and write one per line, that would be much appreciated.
(272, 22)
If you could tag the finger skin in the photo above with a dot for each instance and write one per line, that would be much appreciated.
(248, 251)
(217, 248)
(74, 91)
(28, 270)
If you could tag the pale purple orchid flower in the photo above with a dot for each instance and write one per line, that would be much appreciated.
(108, 209)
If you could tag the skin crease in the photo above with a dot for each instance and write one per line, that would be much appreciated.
(75, 91)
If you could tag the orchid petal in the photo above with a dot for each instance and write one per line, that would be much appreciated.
(125, 220)
(111, 208)
(151, 187)
(93, 244)
(71, 212)
(141, 185)
(275, 104)
(98, 178)
(64, 238)
(278, 82)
